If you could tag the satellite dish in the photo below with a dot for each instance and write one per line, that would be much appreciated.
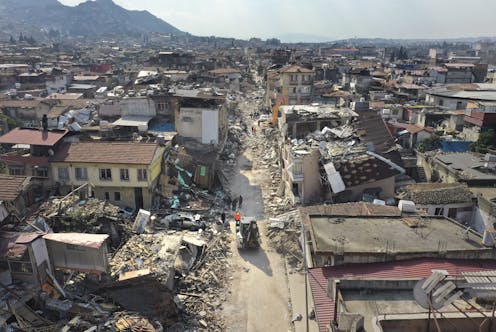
(435, 292)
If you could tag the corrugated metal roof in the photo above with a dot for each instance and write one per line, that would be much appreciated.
(78, 239)
(410, 269)
(13, 245)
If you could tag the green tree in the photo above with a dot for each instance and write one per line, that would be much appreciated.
(487, 140)
(430, 144)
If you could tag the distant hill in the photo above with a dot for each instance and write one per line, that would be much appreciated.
(91, 18)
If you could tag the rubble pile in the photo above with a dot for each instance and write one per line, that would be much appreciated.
(265, 148)
(202, 291)
(233, 146)
(153, 252)
(92, 215)
(284, 233)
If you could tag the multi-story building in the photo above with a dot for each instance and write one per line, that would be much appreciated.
(125, 174)
(295, 85)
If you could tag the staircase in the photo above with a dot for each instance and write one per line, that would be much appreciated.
(421, 177)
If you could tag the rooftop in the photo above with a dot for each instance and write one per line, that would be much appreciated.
(79, 239)
(380, 235)
(437, 193)
(11, 186)
(469, 166)
(480, 91)
(33, 136)
(296, 69)
(408, 269)
(111, 153)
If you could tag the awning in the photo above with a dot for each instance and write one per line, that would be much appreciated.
(133, 121)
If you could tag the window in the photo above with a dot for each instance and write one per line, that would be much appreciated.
(41, 172)
(117, 196)
(142, 174)
(294, 90)
(124, 174)
(63, 173)
(439, 211)
(81, 173)
(107, 196)
(297, 168)
(16, 170)
(105, 174)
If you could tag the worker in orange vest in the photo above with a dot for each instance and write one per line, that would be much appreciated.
(237, 218)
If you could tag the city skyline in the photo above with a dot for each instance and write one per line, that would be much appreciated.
(323, 20)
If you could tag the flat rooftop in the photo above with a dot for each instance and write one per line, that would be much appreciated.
(392, 234)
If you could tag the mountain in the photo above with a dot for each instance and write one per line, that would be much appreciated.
(90, 18)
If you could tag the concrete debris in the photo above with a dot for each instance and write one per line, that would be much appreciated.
(202, 292)
(284, 233)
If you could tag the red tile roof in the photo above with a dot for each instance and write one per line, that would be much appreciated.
(32, 136)
(409, 269)
(10, 187)
(110, 153)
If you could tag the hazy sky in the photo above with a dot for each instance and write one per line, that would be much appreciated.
(334, 19)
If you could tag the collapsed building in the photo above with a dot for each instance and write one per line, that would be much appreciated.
(337, 155)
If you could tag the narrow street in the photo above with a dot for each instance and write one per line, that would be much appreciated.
(259, 296)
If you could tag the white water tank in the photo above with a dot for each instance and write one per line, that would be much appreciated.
(406, 206)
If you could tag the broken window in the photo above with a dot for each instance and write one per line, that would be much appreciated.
(21, 267)
(63, 173)
(107, 196)
(142, 174)
(105, 174)
(124, 174)
(117, 196)
(81, 173)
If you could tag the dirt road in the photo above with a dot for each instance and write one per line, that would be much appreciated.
(259, 296)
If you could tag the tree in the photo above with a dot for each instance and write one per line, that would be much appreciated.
(486, 141)
(21, 37)
(12, 40)
(430, 144)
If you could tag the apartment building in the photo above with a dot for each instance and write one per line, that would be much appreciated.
(125, 174)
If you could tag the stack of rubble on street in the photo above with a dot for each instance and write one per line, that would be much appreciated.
(284, 233)
(202, 291)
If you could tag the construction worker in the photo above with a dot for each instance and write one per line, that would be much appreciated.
(237, 218)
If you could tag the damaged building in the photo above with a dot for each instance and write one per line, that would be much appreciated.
(337, 155)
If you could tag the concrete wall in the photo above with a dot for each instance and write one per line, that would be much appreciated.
(461, 216)
(311, 180)
(387, 186)
(142, 106)
(189, 123)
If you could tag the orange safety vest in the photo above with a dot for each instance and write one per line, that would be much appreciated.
(237, 216)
